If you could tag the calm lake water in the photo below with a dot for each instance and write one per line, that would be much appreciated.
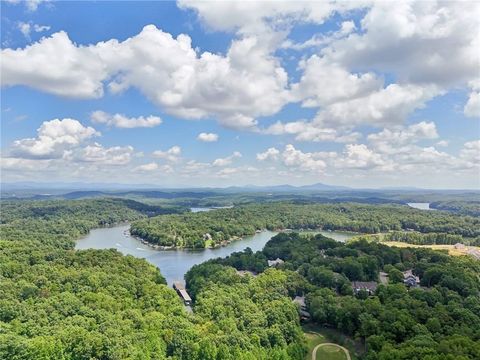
(421, 206)
(203, 209)
(173, 264)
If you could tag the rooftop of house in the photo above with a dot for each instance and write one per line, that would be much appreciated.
(300, 300)
(275, 262)
(184, 295)
(364, 285)
(178, 285)
(409, 274)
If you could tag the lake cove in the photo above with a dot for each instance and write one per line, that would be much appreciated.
(420, 206)
(173, 264)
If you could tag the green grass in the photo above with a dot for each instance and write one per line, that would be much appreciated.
(316, 334)
(208, 244)
(330, 353)
(313, 339)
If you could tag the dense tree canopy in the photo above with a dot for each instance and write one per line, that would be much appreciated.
(438, 320)
(471, 207)
(60, 222)
(193, 229)
(60, 303)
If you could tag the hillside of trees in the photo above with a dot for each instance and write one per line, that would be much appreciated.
(437, 321)
(60, 222)
(191, 229)
(58, 303)
(471, 208)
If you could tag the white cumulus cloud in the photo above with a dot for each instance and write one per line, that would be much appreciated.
(227, 160)
(207, 137)
(122, 121)
(172, 154)
(270, 153)
(147, 167)
(53, 138)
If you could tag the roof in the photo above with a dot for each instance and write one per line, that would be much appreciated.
(409, 275)
(275, 262)
(178, 285)
(184, 295)
(300, 300)
(366, 285)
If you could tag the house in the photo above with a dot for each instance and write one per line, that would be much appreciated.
(410, 280)
(243, 273)
(275, 262)
(474, 252)
(300, 301)
(369, 286)
(459, 246)
(180, 289)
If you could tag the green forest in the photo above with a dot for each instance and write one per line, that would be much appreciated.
(437, 321)
(194, 229)
(60, 303)
(60, 222)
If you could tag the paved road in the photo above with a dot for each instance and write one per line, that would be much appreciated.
(314, 352)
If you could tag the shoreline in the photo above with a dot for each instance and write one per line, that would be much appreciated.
(236, 238)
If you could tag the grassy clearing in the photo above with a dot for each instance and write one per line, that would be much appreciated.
(313, 339)
(318, 335)
(208, 244)
(328, 352)
(450, 248)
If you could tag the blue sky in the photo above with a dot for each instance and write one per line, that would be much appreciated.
(355, 94)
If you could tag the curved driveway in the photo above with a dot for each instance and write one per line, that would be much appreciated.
(314, 352)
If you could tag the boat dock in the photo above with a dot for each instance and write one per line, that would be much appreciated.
(182, 292)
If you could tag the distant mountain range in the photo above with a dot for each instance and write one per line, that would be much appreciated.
(289, 188)
(83, 189)
(30, 185)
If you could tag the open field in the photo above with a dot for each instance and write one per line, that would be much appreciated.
(330, 352)
(450, 248)
(317, 335)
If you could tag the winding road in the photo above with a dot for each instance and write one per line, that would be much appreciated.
(314, 352)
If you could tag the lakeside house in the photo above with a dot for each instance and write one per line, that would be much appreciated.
(182, 292)
(300, 301)
(409, 279)
(369, 286)
(276, 262)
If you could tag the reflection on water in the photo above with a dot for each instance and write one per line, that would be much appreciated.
(172, 263)
(421, 206)
(175, 263)
(203, 209)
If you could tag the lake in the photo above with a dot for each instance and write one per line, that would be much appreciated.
(341, 236)
(173, 264)
(203, 209)
(421, 206)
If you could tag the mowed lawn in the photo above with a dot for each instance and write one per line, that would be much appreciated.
(329, 352)
(313, 339)
(316, 335)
